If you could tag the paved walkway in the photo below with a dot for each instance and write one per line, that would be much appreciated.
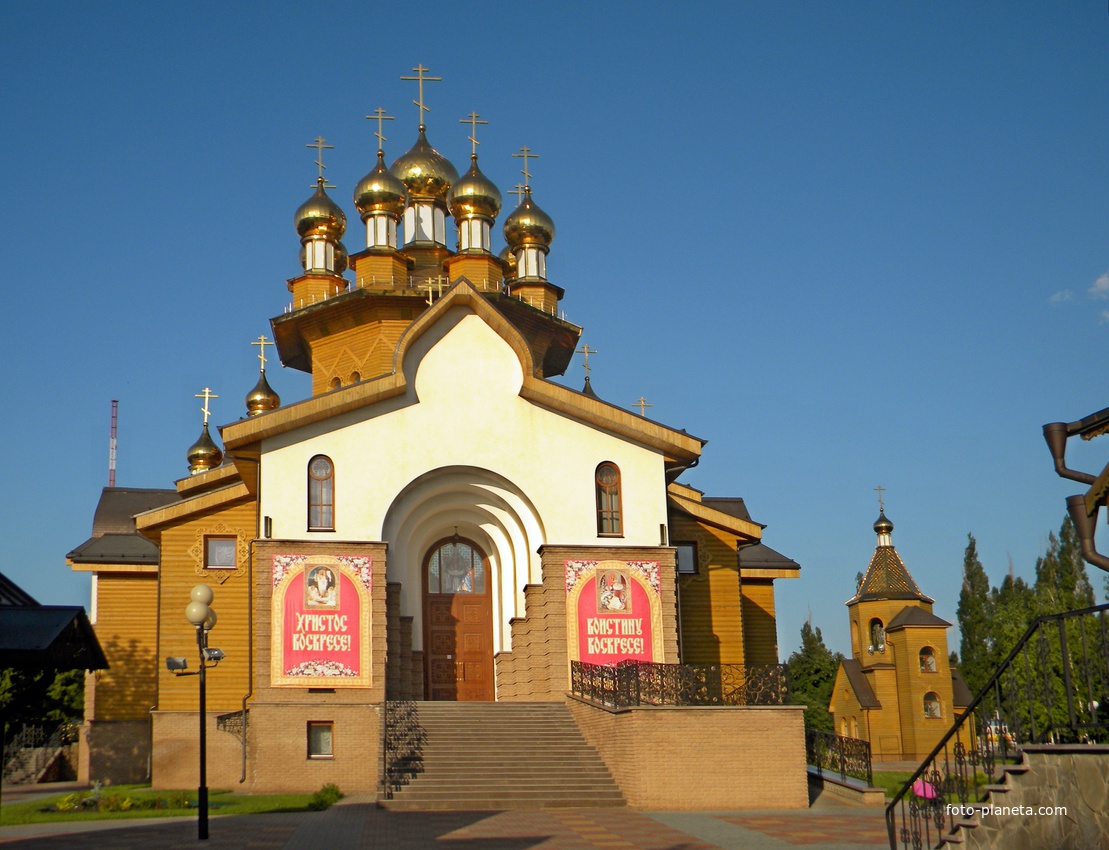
(355, 824)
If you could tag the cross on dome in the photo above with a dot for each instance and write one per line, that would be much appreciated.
(262, 342)
(526, 154)
(585, 351)
(472, 120)
(206, 395)
(379, 115)
(421, 79)
(320, 144)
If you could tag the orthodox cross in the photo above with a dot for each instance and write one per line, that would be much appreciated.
(421, 79)
(380, 115)
(519, 191)
(320, 145)
(206, 395)
(881, 505)
(472, 120)
(642, 405)
(526, 154)
(585, 351)
(262, 342)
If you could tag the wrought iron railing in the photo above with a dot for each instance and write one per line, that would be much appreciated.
(234, 723)
(403, 740)
(633, 683)
(29, 751)
(836, 754)
(1052, 688)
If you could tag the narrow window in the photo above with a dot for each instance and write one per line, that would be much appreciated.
(321, 739)
(927, 660)
(877, 637)
(321, 494)
(608, 500)
(219, 552)
(932, 705)
(687, 558)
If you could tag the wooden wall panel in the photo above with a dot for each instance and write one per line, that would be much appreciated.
(181, 570)
(712, 617)
(127, 628)
(760, 623)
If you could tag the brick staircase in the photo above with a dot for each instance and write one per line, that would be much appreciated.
(485, 756)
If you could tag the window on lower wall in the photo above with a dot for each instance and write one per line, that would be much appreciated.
(321, 739)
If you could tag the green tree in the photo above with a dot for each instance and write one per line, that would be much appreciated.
(40, 699)
(812, 674)
(975, 617)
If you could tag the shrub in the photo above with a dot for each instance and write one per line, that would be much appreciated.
(325, 798)
(116, 803)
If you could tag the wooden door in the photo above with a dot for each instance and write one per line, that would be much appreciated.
(458, 622)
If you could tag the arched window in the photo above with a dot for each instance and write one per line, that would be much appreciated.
(877, 636)
(608, 500)
(932, 707)
(927, 660)
(321, 494)
(456, 567)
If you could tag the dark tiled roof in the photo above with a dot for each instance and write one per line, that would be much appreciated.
(115, 549)
(960, 691)
(887, 578)
(115, 513)
(911, 615)
(47, 637)
(732, 506)
(761, 556)
(860, 684)
(12, 594)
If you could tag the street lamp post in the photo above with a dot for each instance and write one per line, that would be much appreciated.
(203, 618)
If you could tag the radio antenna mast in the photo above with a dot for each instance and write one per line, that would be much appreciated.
(112, 445)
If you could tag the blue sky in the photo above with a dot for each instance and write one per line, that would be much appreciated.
(848, 244)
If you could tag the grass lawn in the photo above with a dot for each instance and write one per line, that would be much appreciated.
(893, 780)
(219, 803)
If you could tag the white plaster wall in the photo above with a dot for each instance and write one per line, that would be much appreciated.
(463, 448)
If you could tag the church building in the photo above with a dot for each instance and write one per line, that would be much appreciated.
(898, 689)
(439, 520)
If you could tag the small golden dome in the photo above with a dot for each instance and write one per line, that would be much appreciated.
(342, 258)
(424, 171)
(474, 195)
(528, 225)
(204, 454)
(380, 191)
(882, 525)
(320, 216)
(262, 398)
(509, 260)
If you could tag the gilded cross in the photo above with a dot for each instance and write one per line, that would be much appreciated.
(642, 405)
(262, 342)
(881, 505)
(206, 395)
(526, 154)
(421, 79)
(380, 115)
(519, 191)
(585, 351)
(320, 145)
(473, 121)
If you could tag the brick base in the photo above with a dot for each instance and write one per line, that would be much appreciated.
(116, 751)
(702, 758)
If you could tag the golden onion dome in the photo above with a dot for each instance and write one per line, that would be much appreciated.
(341, 258)
(509, 260)
(528, 225)
(424, 171)
(320, 216)
(883, 525)
(204, 453)
(380, 191)
(262, 398)
(474, 195)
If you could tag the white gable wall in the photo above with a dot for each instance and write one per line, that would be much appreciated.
(463, 449)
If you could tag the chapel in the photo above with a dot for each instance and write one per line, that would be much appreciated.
(438, 521)
(898, 689)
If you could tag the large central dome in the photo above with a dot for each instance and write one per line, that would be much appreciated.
(424, 171)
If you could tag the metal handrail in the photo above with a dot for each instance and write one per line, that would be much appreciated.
(849, 757)
(633, 683)
(1009, 711)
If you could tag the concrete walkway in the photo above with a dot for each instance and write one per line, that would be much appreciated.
(356, 824)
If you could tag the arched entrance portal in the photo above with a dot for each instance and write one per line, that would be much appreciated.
(458, 622)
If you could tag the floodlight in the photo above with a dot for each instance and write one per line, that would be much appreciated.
(213, 654)
(177, 663)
